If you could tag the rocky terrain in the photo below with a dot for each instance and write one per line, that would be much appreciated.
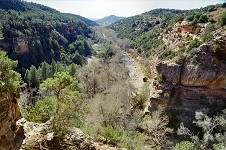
(10, 136)
(198, 82)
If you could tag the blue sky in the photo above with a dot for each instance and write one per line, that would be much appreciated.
(125, 8)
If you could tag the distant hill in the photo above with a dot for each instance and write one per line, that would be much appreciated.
(85, 20)
(108, 19)
(134, 26)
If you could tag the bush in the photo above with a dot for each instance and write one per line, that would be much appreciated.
(112, 136)
(42, 111)
(167, 54)
(160, 78)
(219, 146)
(132, 141)
(139, 101)
(193, 44)
(222, 19)
(203, 19)
(213, 130)
(185, 145)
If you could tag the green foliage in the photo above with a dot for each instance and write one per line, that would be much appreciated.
(60, 82)
(160, 78)
(219, 52)
(207, 37)
(47, 32)
(42, 111)
(35, 76)
(193, 44)
(148, 44)
(112, 136)
(9, 79)
(222, 19)
(139, 100)
(179, 55)
(185, 145)
(131, 141)
(64, 88)
(219, 146)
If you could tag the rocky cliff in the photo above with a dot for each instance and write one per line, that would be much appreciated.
(10, 135)
(191, 85)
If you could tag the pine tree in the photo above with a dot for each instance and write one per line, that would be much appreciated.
(72, 69)
(34, 77)
(44, 71)
(27, 76)
(53, 67)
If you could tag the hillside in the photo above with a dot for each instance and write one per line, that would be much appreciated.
(85, 20)
(33, 33)
(133, 26)
(108, 19)
(182, 51)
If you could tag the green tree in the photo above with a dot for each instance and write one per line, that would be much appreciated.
(9, 79)
(27, 76)
(64, 88)
(44, 70)
(72, 69)
(53, 67)
(34, 77)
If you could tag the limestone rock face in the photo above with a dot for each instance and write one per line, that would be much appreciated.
(9, 114)
(191, 85)
(208, 72)
(21, 46)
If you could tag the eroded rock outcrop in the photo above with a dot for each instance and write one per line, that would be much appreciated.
(208, 71)
(10, 135)
(192, 85)
(41, 136)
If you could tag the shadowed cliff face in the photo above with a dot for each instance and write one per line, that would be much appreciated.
(10, 113)
(192, 86)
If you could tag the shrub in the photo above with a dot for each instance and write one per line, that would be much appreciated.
(132, 141)
(112, 136)
(185, 145)
(222, 19)
(219, 52)
(207, 37)
(213, 130)
(203, 19)
(160, 78)
(42, 111)
(139, 101)
(219, 146)
(167, 54)
(193, 44)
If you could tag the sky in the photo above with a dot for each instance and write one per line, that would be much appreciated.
(125, 8)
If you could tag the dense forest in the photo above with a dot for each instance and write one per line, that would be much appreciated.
(32, 34)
